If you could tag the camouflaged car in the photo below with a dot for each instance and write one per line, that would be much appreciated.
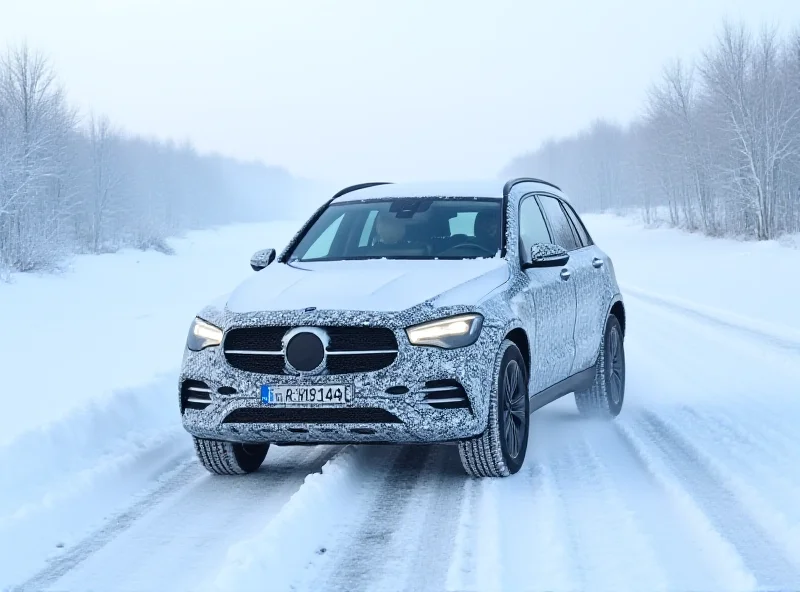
(443, 313)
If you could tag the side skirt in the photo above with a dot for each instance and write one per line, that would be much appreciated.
(577, 382)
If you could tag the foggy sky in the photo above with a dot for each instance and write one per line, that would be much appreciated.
(353, 90)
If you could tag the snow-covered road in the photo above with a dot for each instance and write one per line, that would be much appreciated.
(695, 486)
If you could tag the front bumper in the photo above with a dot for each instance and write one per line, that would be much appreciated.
(414, 420)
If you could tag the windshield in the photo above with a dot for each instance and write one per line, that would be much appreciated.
(431, 228)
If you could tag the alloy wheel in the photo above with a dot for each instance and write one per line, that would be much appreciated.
(514, 416)
(617, 362)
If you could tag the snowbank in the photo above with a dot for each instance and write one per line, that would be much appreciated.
(89, 380)
(112, 322)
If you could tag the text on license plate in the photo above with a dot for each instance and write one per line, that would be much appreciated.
(300, 394)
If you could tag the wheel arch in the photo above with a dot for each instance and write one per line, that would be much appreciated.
(618, 310)
(519, 337)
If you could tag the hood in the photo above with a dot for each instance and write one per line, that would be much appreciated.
(375, 285)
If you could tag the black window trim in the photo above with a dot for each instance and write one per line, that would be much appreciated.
(575, 215)
(575, 234)
(547, 220)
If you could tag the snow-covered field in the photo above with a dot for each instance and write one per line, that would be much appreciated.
(694, 487)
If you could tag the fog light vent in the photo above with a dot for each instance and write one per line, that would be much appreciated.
(446, 394)
(195, 394)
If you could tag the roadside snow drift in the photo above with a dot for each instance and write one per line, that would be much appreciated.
(89, 380)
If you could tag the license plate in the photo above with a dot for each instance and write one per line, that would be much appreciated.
(326, 394)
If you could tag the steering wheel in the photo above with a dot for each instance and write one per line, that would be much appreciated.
(470, 245)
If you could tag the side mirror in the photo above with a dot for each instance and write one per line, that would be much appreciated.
(262, 259)
(546, 255)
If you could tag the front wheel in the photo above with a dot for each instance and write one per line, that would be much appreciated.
(229, 458)
(500, 450)
(605, 396)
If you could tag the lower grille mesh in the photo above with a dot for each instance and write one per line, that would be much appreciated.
(311, 415)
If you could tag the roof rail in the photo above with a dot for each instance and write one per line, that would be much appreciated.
(359, 186)
(510, 185)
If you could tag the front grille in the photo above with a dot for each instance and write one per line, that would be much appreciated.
(268, 358)
(360, 339)
(255, 338)
(195, 394)
(259, 364)
(353, 363)
(311, 415)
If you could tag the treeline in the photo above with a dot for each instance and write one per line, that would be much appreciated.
(72, 184)
(716, 150)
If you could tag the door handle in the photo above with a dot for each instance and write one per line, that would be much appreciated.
(565, 274)
(597, 263)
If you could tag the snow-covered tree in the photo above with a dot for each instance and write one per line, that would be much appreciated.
(69, 186)
(717, 149)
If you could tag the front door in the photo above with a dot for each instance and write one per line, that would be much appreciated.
(552, 291)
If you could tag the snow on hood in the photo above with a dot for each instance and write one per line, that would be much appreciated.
(375, 285)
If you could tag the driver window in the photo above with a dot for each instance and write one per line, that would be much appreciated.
(532, 228)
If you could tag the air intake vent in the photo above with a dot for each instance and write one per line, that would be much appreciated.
(310, 415)
(195, 394)
(446, 394)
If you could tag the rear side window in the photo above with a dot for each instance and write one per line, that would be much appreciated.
(559, 224)
(578, 224)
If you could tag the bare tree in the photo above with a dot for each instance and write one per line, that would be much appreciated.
(106, 179)
(717, 149)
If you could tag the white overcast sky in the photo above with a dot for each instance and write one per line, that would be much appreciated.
(353, 90)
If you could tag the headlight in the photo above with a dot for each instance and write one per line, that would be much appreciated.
(449, 333)
(203, 334)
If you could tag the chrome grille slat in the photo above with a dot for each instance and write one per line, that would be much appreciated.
(439, 389)
(448, 400)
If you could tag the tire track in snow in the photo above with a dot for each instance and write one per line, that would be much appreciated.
(417, 557)
(721, 501)
(359, 556)
(774, 336)
(654, 519)
(144, 562)
(746, 448)
(769, 497)
(602, 528)
(63, 564)
(460, 570)
(536, 546)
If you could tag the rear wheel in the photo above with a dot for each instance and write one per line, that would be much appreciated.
(228, 458)
(500, 450)
(604, 398)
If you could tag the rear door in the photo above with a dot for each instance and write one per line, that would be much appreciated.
(552, 294)
(596, 290)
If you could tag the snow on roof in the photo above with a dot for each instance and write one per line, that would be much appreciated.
(489, 189)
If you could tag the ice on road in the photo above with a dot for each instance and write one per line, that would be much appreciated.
(693, 487)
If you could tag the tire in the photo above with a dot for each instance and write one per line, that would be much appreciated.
(228, 458)
(605, 397)
(499, 451)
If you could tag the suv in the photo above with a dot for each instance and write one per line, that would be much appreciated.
(410, 314)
